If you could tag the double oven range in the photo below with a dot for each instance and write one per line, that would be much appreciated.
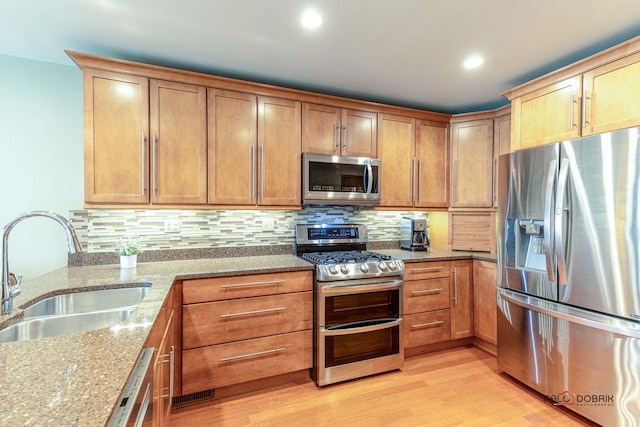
(357, 303)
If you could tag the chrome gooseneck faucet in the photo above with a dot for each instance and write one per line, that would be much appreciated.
(8, 290)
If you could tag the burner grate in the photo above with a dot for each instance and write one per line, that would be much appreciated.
(343, 257)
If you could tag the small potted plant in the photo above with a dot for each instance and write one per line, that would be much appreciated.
(128, 249)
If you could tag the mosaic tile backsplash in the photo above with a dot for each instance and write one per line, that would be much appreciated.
(99, 230)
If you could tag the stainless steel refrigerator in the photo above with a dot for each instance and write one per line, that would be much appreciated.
(569, 282)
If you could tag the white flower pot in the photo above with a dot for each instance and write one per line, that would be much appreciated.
(128, 261)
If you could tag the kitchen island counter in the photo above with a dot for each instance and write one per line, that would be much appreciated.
(75, 380)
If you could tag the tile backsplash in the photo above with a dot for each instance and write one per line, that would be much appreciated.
(99, 230)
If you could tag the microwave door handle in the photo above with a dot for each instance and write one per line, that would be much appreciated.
(368, 176)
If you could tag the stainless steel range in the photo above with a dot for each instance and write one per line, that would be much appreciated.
(357, 303)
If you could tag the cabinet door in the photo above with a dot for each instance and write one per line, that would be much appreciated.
(547, 115)
(432, 154)
(232, 130)
(359, 133)
(485, 309)
(472, 164)
(611, 93)
(396, 135)
(116, 127)
(178, 143)
(321, 129)
(461, 291)
(501, 146)
(279, 152)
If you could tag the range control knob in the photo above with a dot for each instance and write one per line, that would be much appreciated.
(364, 268)
(344, 269)
(392, 266)
(382, 266)
(333, 269)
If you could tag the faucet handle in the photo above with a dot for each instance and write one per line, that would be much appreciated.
(14, 284)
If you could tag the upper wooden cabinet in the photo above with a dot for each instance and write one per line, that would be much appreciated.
(591, 96)
(414, 156)
(279, 152)
(340, 131)
(145, 140)
(116, 132)
(547, 115)
(178, 143)
(432, 161)
(610, 96)
(472, 164)
(233, 138)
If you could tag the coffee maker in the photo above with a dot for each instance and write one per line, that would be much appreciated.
(413, 234)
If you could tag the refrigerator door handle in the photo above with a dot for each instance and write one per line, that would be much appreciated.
(547, 220)
(573, 315)
(559, 212)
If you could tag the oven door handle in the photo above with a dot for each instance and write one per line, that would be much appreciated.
(356, 287)
(345, 330)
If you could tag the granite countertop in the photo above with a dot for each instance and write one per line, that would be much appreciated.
(75, 380)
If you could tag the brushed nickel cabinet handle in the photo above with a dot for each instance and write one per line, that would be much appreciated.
(414, 167)
(427, 291)
(143, 162)
(425, 269)
(261, 172)
(427, 325)
(455, 285)
(253, 171)
(338, 139)
(154, 162)
(252, 313)
(345, 143)
(246, 285)
(571, 111)
(258, 353)
(584, 109)
(418, 186)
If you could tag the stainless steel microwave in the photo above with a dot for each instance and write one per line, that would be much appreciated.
(340, 180)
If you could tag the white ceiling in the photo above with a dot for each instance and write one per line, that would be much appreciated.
(405, 52)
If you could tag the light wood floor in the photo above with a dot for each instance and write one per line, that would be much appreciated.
(459, 387)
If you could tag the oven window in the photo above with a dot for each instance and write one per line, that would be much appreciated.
(342, 349)
(354, 308)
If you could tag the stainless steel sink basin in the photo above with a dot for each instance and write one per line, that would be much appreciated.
(51, 326)
(74, 313)
(85, 302)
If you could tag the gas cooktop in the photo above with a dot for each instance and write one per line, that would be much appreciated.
(339, 253)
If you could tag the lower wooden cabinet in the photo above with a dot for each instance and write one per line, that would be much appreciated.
(243, 328)
(485, 313)
(233, 363)
(461, 289)
(426, 328)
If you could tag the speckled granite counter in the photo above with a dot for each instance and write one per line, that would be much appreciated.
(74, 380)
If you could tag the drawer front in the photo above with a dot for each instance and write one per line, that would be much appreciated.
(426, 270)
(426, 328)
(426, 295)
(224, 321)
(221, 288)
(226, 364)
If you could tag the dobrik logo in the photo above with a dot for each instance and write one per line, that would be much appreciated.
(564, 398)
(569, 399)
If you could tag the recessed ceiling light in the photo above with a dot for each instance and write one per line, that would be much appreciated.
(473, 62)
(311, 19)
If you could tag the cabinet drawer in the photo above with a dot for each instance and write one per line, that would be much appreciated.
(226, 364)
(223, 321)
(426, 328)
(221, 288)
(426, 270)
(426, 295)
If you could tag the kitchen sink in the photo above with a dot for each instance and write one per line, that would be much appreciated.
(51, 326)
(75, 313)
(85, 302)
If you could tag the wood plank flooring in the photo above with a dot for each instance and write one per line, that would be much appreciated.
(459, 387)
